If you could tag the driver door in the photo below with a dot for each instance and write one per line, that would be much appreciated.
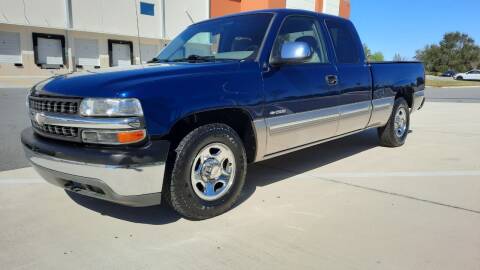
(301, 105)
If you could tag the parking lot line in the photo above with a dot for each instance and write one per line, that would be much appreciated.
(400, 174)
(18, 181)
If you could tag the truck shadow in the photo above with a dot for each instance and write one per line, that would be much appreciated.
(259, 175)
(277, 169)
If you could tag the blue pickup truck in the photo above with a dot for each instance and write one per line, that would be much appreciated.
(226, 92)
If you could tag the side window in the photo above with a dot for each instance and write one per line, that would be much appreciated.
(301, 29)
(344, 42)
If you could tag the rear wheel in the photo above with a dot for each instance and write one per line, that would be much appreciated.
(395, 132)
(209, 172)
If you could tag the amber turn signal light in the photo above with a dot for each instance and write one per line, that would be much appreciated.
(130, 136)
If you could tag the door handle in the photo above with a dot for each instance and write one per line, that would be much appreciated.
(331, 79)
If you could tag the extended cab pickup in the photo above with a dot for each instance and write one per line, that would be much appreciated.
(226, 92)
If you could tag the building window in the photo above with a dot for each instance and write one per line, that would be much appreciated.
(147, 9)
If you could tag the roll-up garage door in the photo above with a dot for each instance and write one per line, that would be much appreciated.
(121, 54)
(86, 52)
(49, 51)
(10, 51)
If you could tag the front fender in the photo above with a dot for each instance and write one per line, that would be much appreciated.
(167, 100)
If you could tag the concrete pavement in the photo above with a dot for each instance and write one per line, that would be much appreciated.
(14, 118)
(346, 204)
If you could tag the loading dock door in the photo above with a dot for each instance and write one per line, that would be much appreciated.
(121, 54)
(10, 51)
(50, 51)
(86, 52)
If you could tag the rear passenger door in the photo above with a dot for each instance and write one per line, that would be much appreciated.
(301, 107)
(354, 79)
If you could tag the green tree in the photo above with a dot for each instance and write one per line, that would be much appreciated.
(456, 51)
(367, 50)
(377, 56)
(399, 58)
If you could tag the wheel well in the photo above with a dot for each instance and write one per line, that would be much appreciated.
(238, 119)
(407, 94)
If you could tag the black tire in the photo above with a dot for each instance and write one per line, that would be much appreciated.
(387, 134)
(179, 192)
(459, 78)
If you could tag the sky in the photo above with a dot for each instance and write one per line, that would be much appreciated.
(404, 26)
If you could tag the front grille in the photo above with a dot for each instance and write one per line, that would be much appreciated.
(55, 105)
(67, 132)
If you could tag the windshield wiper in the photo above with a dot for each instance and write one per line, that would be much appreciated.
(153, 60)
(156, 60)
(195, 58)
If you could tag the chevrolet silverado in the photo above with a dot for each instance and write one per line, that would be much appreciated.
(226, 92)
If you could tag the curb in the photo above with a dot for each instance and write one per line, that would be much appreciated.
(454, 87)
(16, 86)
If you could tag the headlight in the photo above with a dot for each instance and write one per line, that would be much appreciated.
(111, 107)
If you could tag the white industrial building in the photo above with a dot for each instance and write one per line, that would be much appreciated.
(45, 37)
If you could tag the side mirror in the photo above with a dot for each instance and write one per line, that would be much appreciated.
(294, 53)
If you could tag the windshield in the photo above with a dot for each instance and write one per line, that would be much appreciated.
(232, 38)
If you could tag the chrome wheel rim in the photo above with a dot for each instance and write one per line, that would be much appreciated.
(400, 124)
(213, 171)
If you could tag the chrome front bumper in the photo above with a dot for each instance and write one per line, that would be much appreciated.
(128, 182)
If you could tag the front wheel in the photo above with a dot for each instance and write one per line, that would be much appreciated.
(394, 133)
(209, 172)
(459, 78)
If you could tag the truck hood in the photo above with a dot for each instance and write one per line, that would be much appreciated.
(119, 81)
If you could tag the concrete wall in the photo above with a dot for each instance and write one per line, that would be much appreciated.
(43, 13)
(335, 7)
(345, 8)
(302, 4)
(96, 20)
(224, 7)
(101, 20)
(262, 4)
(28, 61)
(27, 54)
(116, 17)
(180, 14)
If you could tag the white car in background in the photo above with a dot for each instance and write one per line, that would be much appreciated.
(471, 75)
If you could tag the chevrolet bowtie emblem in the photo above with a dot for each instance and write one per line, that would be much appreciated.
(39, 118)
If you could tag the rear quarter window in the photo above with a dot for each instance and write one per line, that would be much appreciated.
(344, 42)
